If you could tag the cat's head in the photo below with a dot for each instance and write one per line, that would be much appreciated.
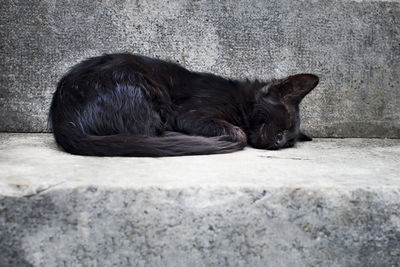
(275, 121)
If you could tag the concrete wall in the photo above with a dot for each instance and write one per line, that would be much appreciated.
(352, 45)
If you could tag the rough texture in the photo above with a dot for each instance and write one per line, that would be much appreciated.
(352, 45)
(330, 202)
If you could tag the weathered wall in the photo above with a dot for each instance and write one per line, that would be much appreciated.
(352, 45)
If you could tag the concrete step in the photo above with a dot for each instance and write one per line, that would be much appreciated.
(330, 202)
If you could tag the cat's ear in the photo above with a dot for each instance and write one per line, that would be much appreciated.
(294, 88)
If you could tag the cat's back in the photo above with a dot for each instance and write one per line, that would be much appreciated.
(112, 93)
(126, 62)
(101, 74)
(110, 67)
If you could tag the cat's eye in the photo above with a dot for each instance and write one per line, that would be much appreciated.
(281, 134)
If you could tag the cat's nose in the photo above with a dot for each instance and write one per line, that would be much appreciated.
(277, 145)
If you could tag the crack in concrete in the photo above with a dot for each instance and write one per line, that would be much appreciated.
(41, 190)
(273, 157)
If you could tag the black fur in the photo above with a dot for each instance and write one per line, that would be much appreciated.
(131, 105)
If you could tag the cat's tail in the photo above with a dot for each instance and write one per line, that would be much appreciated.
(172, 144)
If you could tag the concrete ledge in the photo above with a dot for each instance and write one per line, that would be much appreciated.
(330, 202)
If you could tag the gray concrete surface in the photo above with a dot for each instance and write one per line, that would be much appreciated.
(352, 45)
(330, 202)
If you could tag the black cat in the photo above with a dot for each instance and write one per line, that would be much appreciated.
(131, 105)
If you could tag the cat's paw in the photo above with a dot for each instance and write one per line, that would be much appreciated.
(237, 135)
(303, 138)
